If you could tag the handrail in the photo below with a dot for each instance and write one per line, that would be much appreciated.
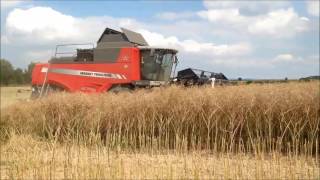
(44, 84)
(73, 44)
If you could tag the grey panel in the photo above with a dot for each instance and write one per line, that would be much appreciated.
(134, 37)
(62, 60)
(103, 45)
(65, 61)
(109, 55)
(113, 38)
(71, 58)
(108, 31)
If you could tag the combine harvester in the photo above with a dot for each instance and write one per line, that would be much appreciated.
(121, 61)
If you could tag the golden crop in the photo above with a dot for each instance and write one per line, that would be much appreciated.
(268, 118)
(266, 131)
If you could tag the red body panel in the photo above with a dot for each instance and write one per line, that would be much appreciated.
(91, 77)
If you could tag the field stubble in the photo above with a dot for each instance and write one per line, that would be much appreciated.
(10, 95)
(256, 131)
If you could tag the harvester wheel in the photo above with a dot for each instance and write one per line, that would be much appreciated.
(49, 89)
(35, 93)
(119, 89)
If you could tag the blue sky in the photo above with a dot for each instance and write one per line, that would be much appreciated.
(143, 10)
(255, 39)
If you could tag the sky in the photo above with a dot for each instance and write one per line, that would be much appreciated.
(248, 39)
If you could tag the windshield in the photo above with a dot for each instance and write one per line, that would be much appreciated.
(156, 67)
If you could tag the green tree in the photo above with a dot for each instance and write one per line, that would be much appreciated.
(7, 72)
(28, 72)
(18, 77)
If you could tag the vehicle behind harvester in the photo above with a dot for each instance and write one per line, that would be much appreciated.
(120, 61)
(197, 77)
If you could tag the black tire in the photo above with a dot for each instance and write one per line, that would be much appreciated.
(49, 89)
(35, 93)
(120, 89)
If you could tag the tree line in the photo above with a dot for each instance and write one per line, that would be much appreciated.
(14, 76)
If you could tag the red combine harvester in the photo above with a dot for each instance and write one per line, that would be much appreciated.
(120, 61)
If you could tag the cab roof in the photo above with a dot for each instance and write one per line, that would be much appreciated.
(111, 36)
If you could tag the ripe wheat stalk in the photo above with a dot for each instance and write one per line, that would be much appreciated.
(257, 118)
(254, 131)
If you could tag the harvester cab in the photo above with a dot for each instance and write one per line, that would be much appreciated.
(157, 66)
(120, 61)
(155, 63)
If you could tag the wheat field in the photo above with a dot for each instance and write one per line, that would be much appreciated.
(14, 94)
(268, 131)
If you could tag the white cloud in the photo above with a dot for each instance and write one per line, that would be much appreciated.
(288, 58)
(313, 7)
(192, 46)
(211, 4)
(230, 16)
(175, 15)
(236, 63)
(44, 26)
(284, 58)
(246, 7)
(50, 23)
(157, 39)
(278, 23)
